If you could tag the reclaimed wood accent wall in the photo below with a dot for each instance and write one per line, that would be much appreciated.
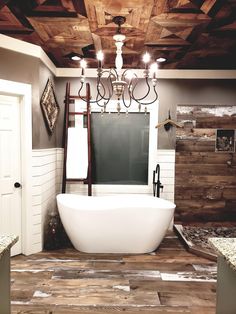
(205, 179)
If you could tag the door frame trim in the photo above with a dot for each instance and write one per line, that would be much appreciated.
(23, 91)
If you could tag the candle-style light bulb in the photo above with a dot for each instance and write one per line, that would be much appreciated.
(83, 65)
(146, 58)
(100, 57)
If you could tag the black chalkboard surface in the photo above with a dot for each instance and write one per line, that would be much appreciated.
(120, 145)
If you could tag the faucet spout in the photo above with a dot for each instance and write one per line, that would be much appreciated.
(156, 182)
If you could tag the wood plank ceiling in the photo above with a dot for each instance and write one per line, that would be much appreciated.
(190, 34)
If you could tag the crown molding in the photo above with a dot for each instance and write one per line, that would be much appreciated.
(25, 48)
(161, 74)
(32, 50)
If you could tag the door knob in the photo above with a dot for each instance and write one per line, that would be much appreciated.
(17, 185)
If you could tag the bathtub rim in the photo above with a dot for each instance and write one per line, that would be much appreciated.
(155, 201)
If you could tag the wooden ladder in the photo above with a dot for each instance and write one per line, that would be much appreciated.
(70, 99)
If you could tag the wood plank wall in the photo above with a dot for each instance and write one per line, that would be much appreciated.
(205, 183)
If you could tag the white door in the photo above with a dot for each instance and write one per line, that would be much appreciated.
(10, 169)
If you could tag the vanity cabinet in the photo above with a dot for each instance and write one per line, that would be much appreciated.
(226, 275)
(226, 288)
(6, 242)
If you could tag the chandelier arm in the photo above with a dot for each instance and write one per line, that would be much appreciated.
(98, 92)
(109, 73)
(128, 88)
(109, 84)
(99, 85)
(123, 74)
(151, 102)
(107, 99)
(114, 75)
(123, 100)
(81, 86)
(102, 96)
(84, 99)
(106, 103)
(97, 102)
(138, 99)
(109, 90)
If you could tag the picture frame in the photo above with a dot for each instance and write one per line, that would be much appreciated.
(225, 140)
(49, 106)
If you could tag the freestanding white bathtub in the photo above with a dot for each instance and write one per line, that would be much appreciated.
(115, 224)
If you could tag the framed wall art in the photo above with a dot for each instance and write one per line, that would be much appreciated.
(225, 140)
(49, 106)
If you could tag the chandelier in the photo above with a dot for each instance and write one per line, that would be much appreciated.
(121, 83)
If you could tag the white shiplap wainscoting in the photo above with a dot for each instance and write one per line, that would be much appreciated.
(46, 177)
(166, 159)
(59, 172)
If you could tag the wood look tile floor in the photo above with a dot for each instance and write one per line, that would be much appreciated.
(170, 280)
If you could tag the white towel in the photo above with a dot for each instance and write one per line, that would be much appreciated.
(77, 153)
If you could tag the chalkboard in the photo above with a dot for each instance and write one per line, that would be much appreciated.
(120, 145)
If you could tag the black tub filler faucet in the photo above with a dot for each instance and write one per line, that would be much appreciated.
(156, 181)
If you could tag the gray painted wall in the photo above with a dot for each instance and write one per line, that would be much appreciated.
(171, 92)
(22, 68)
(30, 70)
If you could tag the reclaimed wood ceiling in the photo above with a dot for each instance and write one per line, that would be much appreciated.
(190, 34)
